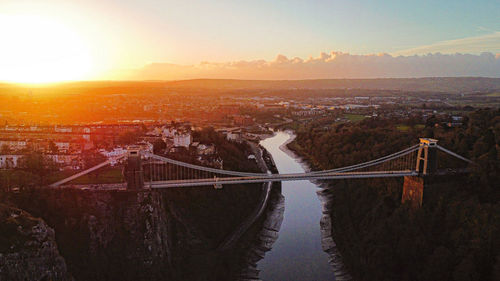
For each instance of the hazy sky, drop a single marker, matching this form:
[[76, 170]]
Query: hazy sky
[[123, 35]]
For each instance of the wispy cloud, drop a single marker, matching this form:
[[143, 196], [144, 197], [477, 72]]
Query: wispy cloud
[[474, 44]]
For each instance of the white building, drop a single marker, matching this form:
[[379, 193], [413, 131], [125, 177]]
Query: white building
[[67, 161], [63, 129], [145, 146], [86, 134], [14, 144], [169, 132], [236, 136], [9, 161], [62, 146], [184, 140], [117, 151], [113, 154]]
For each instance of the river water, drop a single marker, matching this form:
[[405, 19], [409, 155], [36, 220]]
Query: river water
[[297, 254]]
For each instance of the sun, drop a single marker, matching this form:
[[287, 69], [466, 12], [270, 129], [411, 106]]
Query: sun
[[34, 49]]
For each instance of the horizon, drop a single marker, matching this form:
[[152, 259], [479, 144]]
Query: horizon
[[42, 84], [193, 87], [486, 65]]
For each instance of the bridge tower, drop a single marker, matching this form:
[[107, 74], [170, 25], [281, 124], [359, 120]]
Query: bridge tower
[[427, 156], [133, 168], [413, 186]]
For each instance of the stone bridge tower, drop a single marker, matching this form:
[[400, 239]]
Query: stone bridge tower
[[133, 168], [413, 187]]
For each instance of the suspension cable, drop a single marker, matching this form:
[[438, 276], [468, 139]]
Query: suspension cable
[[455, 155], [372, 162]]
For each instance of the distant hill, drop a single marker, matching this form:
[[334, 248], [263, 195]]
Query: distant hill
[[431, 84], [438, 84]]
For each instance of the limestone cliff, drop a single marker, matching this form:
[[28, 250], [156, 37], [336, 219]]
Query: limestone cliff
[[28, 249], [169, 234], [105, 235]]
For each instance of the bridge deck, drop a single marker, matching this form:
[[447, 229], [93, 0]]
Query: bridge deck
[[277, 177]]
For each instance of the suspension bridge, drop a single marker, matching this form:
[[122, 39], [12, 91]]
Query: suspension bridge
[[148, 170]]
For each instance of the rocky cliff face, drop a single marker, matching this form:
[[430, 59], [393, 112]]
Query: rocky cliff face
[[169, 234], [28, 249], [105, 235]]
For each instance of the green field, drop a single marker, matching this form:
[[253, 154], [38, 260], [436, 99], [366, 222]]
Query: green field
[[105, 175], [405, 128], [354, 117], [496, 94]]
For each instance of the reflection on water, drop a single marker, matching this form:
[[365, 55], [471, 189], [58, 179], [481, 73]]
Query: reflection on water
[[329, 246], [265, 237], [297, 254], [221, 234]]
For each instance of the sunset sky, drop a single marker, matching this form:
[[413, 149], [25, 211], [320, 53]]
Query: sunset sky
[[54, 40]]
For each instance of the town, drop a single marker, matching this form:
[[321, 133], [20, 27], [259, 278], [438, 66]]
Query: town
[[69, 130]]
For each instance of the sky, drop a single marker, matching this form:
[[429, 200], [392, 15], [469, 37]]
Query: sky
[[54, 40]]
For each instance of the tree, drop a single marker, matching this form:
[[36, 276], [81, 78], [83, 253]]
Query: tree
[[53, 147], [17, 178], [453, 236], [5, 149], [128, 137], [38, 164], [158, 146], [466, 270]]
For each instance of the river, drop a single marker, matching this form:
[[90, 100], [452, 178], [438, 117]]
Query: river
[[297, 254]]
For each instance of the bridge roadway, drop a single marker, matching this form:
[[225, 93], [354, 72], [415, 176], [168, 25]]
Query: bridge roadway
[[278, 177]]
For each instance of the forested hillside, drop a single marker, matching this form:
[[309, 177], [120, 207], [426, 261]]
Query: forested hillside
[[455, 235]]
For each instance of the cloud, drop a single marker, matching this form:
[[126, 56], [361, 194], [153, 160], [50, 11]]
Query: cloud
[[475, 44], [331, 65]]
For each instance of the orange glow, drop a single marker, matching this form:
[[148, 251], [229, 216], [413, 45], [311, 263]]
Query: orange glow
[[37, 50]]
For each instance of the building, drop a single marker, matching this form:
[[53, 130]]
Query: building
[[10, 161], [62, 146], [243, 120], [236, 136], [67, 161], [62, 129], [145, 146], [205, 149], [113, 154], [182, 139], [116, 152], [14, 145], [169, 132]]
